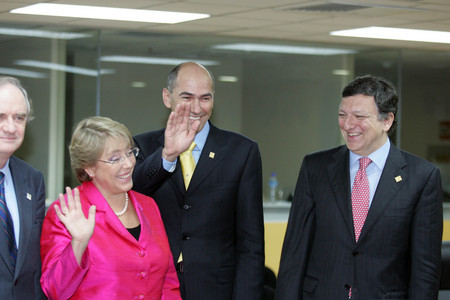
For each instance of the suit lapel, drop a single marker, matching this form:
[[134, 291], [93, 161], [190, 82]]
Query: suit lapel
[[338, 172], [387, 188], [25, 212], [212, 154], [92, 196], [4, 250]]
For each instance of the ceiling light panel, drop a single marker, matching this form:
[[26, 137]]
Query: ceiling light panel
[[283, 49], [399, 34], [108, 13]]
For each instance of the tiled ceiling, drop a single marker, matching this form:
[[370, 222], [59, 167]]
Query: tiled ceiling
[[288, 20]]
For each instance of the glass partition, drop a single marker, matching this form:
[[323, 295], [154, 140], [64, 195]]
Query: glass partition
[[287, 102]]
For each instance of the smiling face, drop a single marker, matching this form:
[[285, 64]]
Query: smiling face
[[360, 125], [13, 119], [112, 180], [194, 86]]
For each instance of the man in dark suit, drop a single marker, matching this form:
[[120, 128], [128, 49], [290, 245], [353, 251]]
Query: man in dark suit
[[396, 254], [215, 221], [23, 202]]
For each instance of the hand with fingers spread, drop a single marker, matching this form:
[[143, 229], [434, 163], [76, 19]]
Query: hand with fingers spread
[[180, 132], [73, 218]]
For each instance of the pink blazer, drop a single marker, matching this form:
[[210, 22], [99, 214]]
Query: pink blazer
[[114, 265]]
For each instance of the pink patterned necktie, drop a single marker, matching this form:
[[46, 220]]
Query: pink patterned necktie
[[360, 196]]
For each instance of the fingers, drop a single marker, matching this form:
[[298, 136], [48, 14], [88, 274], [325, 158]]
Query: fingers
[[91, 217], [77, 204], [193, 129], [185, 111], [170, 121], [62, 202], [59, 214], [181, 119], [73, 202], [70, 201]]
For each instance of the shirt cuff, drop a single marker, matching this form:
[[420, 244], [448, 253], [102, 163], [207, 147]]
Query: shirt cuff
[[169, 166]]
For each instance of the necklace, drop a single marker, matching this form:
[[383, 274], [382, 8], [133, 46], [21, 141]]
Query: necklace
[[125, 207]]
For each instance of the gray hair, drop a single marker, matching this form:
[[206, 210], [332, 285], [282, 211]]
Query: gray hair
[[16, 82]]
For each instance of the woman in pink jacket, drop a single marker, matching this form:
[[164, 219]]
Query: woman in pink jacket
[[102, 240]]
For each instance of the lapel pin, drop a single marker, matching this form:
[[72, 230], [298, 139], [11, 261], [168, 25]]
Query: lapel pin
[[398, 178], [28, 196], [211, 154]]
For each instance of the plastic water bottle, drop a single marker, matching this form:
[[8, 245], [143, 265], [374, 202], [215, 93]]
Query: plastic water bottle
[[273, 185]]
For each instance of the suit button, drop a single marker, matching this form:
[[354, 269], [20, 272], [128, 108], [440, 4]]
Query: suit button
[[355, 253], [186, 206], [185, 237]]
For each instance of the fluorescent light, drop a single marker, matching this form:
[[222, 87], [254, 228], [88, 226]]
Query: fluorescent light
[[138, 84], [401, 34], [22, 73], [43, 33], [283, 49], [341, 72], [60, 67], [228, 78], [154, 60], [108, 13]]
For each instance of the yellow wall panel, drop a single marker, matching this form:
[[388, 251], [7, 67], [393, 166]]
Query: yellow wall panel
[[274, 237]]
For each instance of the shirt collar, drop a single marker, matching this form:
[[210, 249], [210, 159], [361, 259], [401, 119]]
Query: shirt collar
[[200, 137], [378, 157], [6, 169]]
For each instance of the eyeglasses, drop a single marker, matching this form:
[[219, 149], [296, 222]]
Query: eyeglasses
[[120, 158]]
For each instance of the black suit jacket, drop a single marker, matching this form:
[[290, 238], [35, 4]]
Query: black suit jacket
[[218, 222], [24, 283], [398, 253]]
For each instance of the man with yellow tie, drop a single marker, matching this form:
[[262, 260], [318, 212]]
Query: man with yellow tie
[[207, 183]]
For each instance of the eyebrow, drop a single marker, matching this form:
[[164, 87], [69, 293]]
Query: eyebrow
[[190, 94], [17, 114]]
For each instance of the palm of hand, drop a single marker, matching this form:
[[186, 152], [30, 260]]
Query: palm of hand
[[73, 218]]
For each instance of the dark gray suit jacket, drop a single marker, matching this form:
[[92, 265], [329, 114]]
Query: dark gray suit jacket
[[218, 222], [398, 253], [24, 283]]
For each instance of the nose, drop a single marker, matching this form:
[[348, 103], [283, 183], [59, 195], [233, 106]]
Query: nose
[[195, 106], [8, 125], [348, 123], [129, 161]]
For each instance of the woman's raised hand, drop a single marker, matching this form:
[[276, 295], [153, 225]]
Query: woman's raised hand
[[73, 218]]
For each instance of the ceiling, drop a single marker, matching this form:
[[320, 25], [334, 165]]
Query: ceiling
[[287, 20]]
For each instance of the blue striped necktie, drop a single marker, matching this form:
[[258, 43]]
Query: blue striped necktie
[[7, 223]]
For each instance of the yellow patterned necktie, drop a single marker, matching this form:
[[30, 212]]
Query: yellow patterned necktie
[[187, 165]]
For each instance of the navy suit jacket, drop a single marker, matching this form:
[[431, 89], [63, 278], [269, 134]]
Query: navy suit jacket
[[398, 253], [30, 193], [218, 222]]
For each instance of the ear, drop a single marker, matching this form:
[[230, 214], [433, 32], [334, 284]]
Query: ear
[[388, 122], [90, 171], [166, 98]]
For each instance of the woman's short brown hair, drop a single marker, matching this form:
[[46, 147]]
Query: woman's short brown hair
[[88, 142]]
